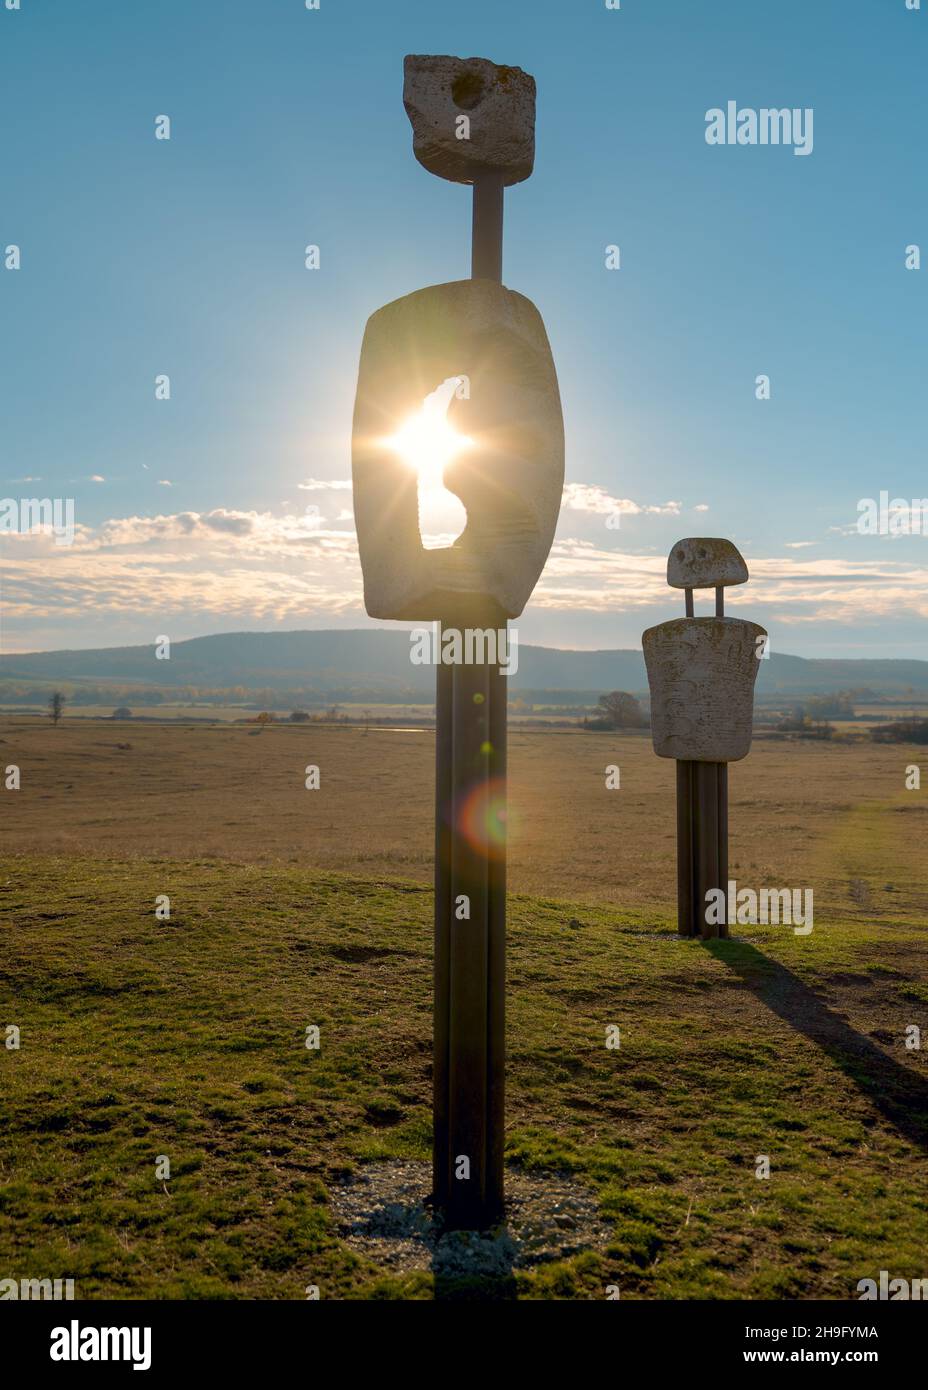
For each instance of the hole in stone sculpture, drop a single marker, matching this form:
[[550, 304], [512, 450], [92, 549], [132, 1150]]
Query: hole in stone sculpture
[[427, 442], [467, 90]]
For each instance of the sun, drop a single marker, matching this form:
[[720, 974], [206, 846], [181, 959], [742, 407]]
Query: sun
[[426, 440]]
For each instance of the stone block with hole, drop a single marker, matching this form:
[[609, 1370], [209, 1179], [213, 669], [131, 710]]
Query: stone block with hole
[[511, 479]]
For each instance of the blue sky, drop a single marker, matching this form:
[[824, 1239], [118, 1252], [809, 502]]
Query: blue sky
[[185, 257]]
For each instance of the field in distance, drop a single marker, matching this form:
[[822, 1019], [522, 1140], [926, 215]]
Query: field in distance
[[802, 813]]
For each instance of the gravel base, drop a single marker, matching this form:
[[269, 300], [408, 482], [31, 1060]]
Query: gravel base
[[381, 1213]]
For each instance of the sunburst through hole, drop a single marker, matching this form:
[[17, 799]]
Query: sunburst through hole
[[427, 442]]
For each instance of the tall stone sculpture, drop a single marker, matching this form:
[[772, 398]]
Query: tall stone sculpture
[[473, 123], [701, 672]]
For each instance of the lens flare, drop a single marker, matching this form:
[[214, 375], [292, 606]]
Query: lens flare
[[481, 817]]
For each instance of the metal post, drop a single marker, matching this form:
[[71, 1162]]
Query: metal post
[[487, 229], [702, 844], [470, 877], [685, 905], [722, 769], [706, 847], [444, 815]]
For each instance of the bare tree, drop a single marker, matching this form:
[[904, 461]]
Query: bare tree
[[56, 706], [621, 710]]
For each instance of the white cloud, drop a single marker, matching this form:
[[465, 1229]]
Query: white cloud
[[589, 497], [581, 575], [251, 566], [263, 567], [325, 485]]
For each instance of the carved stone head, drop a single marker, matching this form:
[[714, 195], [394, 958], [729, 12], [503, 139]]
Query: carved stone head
[[496, 103], [705, 562]]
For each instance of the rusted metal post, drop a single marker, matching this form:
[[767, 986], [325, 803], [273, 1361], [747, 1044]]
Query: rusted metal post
[[444, 826], [470, 952], [685, 883], [705, 842], [702, 843], [470, 941], [487, 228]]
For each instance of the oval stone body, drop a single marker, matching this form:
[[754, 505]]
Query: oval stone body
[[702, 672], [510, 481]]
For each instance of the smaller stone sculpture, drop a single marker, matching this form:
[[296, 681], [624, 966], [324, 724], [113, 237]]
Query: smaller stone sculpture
[[701, 672]]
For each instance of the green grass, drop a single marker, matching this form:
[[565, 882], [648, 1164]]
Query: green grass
[[186, 1039]]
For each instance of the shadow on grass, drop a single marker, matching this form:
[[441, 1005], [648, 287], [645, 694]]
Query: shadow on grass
[[899, 1094]]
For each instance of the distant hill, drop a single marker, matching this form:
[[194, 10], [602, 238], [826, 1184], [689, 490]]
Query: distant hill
[[374, 664]]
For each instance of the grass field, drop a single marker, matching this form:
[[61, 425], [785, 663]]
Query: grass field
[[801, 811], [185, 1038]]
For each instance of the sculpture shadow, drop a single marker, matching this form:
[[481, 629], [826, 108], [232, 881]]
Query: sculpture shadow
[[896, 1092]]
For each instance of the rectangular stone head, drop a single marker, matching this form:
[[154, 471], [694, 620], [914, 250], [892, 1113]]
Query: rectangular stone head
[[470, 117]]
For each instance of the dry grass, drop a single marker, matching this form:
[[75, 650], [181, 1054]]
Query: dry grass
[[183, 791]]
